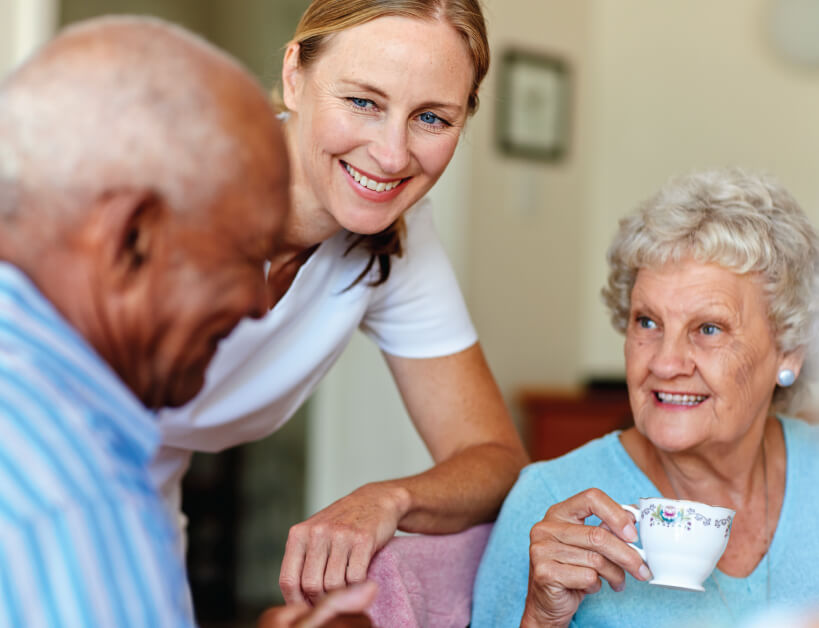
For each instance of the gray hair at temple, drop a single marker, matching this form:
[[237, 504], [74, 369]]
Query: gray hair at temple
[[72, 126], [741, 221]]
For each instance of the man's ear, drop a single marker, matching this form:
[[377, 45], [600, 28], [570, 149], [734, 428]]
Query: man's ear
[[127, 225], [291, 76]]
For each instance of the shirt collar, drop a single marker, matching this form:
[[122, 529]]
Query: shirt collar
[[29, 322]]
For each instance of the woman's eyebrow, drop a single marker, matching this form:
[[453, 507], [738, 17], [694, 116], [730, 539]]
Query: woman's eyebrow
[[365, 86]]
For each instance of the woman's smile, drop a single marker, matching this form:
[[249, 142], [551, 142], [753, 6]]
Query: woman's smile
[[372, 187], [678, 400]]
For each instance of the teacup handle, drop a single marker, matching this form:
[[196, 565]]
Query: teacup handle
[[634, 511]]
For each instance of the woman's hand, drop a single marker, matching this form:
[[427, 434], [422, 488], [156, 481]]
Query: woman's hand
[[341, 609], [567, 558], [333, 548]]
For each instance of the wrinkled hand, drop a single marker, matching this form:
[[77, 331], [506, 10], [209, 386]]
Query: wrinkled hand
[[567, 558], [341, 609], [333, 548]]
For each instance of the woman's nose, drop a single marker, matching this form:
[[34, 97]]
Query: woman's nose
[[390, 148], [672, 357]]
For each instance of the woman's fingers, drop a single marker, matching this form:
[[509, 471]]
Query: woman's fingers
[[360, 557], [333, 548], [568, 558], [595, 547], [292, 566], [315, 565], [563, 554], [335, 575], [595, 502]]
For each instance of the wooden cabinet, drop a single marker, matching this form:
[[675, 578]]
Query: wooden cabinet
[[557, 421]]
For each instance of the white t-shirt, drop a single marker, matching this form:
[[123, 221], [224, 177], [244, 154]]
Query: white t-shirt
[[264, 371]]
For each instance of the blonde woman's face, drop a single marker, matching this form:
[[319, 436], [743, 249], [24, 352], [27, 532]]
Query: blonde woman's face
[[377, 118], [701, 356]]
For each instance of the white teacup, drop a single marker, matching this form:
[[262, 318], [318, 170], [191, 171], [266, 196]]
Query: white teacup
[[682, 540]]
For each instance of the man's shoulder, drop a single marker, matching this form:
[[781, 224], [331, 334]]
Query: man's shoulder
[[50, 454]]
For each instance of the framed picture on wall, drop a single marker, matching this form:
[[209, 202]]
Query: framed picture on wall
[[533, 106]]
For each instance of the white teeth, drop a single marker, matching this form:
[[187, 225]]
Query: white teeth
[[376, 186], [681, 400]]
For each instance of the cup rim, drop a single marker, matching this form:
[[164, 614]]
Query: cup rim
[[690, 501]]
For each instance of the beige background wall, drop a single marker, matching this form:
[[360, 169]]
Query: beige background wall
[[679, 86]]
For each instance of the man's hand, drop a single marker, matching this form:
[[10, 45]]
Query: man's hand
[[341, 609]]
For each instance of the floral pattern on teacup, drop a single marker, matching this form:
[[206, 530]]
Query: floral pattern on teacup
[[670, 516]]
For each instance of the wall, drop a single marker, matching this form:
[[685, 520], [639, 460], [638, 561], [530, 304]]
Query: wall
[[680, 86], [24, 24], [526, 280]]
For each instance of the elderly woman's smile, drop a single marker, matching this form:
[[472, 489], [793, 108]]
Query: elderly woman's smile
[[701, 356]]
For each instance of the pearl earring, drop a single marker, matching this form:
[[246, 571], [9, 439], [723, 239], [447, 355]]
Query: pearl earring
[[786, 377]]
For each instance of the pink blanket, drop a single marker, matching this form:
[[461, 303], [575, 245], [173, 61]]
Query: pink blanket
[[425, 581]]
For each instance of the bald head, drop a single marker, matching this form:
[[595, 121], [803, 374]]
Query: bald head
[[143, 183], [123, 102]]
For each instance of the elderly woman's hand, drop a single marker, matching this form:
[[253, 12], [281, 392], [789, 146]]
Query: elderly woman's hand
[[333, 548], [567, 558]]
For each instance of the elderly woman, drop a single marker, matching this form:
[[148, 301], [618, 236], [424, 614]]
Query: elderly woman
[[711, 282]]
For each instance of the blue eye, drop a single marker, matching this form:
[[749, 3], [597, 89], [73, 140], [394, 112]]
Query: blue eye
[[430, 118], [361, 103], [709, 329], [646, 323]]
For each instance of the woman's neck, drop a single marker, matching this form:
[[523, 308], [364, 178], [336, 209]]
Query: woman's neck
[[726, 475]]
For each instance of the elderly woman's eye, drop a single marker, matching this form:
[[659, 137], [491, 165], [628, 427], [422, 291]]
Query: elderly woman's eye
[[709, 329], [646, 323]]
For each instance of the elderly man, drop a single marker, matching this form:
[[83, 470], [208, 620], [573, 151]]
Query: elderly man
[[143, 179]]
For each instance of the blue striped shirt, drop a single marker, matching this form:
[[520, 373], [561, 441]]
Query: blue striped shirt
[[84, 537]]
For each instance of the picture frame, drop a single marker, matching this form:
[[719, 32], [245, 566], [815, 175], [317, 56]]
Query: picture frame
[[533, 106]]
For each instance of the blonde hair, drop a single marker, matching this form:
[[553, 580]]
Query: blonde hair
[[743, 222], [325, 17]]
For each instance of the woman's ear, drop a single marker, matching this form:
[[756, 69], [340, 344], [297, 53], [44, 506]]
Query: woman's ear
[[793, 360], [291, 76]]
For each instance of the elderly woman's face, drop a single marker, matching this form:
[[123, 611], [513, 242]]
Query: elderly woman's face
[[701, 357], [377, 117]]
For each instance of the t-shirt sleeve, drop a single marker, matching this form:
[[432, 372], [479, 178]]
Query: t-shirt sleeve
[[419, 312]]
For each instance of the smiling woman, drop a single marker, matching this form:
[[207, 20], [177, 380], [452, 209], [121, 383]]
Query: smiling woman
[[354, 115], [377, 94], [711, 281]]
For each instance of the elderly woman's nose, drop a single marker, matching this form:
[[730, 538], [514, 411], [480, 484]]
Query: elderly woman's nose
[[672, 357], [390, 148]]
